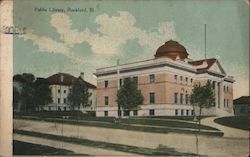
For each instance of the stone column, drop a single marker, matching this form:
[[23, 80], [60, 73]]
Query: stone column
[[216, 94], [221, 95]]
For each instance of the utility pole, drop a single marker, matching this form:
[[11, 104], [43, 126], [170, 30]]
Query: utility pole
[[205, 40], [118, 74], [118, 84]]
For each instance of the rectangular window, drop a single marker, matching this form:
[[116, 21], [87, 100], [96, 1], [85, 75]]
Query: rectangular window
[[175, 78], [181, 79], [59, 91], [227, 88], [119, 112], [192, 112], [224, 88], [64, 108], [135, 79], [49, 108], [191, 80], [176, 112], [64, 91], [64, 100], [152, 78], [181, 98], [106, 100], [135, 112], [224, 102], [151, 112], [126, 113], [106, 113], [151, 98], [187, 112], [120, 82], [175, 98], [186, 98], [182, 112], [214, 84], [106, 83], [186, 80], [58, 100]]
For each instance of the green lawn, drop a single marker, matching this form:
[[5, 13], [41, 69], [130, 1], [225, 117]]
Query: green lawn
[[126, 124], [161, 150], [185, 118], [240, 122], [24, 148]]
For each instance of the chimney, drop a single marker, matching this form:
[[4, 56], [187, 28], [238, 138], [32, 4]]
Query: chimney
[[61, 77], [82, 75]]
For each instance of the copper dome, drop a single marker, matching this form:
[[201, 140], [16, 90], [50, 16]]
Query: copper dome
[[171, 49]]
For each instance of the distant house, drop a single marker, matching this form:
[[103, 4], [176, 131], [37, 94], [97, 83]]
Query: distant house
[[60, 85], [241, 106]]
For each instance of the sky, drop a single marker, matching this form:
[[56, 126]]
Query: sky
[[83, 35]]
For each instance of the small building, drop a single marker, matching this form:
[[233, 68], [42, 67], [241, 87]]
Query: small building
[[166, 83], [60, 85], [241, 106]]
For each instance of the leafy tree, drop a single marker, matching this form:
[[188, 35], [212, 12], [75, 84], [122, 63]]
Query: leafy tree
[[33, 93], [27, 94], [129, 97], [79, 94], [42, 93], [16, 97], [202, 97]]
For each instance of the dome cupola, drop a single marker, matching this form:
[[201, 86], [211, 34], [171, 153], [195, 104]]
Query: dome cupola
[[171, 49]]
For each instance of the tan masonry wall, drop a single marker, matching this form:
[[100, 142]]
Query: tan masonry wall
[[164, 88], [228, 95]]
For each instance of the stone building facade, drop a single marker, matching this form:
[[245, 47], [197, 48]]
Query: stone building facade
[[166, 83], [60, 85]]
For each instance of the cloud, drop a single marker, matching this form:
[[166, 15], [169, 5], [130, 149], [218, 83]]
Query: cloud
[[113, 32], [47, 44], [247, 1]]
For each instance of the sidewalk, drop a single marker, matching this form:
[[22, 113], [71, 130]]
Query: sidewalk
[[208, 145], [228, 131]]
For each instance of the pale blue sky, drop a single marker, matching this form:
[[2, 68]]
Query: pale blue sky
[[73, 42]]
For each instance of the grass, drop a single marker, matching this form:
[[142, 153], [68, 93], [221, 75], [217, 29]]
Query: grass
[[126, 125], [161, 150], [55, 114], [24, 148], [176, 124], [185, 118], [239, 122]]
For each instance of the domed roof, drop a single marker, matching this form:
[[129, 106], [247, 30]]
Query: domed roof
[[171, 49]]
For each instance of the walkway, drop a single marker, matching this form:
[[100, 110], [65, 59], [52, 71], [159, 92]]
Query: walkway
[[228, 131], [208, 145]]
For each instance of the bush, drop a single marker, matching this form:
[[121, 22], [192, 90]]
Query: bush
[[57, 114]]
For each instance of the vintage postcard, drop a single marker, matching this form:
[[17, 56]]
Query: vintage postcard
[[124, 78]]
